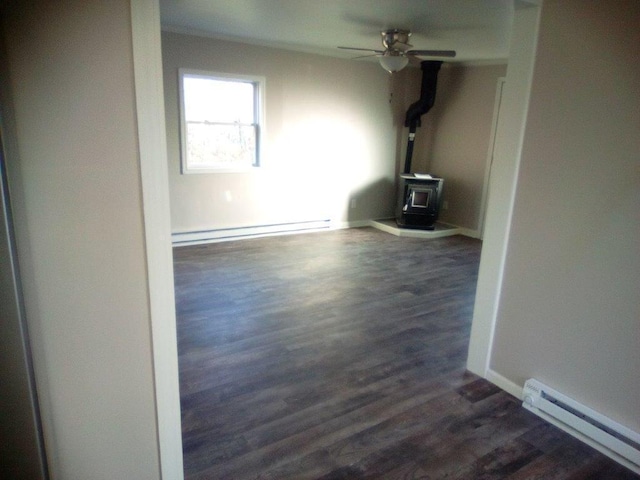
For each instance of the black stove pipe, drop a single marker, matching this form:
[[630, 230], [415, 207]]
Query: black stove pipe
[[430, 69]]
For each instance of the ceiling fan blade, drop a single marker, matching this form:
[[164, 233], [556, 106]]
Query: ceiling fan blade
[[366, 56], [432, 53], [363, 49]]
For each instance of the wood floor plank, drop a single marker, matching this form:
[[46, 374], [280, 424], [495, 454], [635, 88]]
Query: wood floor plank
[[341, 355]]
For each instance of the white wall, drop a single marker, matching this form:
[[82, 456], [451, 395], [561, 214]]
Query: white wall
[[569, 312], [77, 198], [331, 136]]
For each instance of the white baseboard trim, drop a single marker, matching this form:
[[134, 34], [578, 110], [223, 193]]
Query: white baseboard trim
[[179, 239], [504, 383], [467, 232], [350, 224]]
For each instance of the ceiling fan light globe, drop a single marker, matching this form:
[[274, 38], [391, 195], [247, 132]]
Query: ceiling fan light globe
[[393, 63]]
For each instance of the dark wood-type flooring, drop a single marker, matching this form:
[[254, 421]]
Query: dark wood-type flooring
[[341, 355]]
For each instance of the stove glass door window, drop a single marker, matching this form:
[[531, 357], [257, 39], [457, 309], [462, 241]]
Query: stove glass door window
[[420, 198]]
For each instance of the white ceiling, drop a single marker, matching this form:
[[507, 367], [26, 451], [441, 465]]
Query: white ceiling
[[477, 29]]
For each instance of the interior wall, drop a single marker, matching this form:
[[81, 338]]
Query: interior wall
[[462, 117], [569, 313], [331, 137], [75, 187]]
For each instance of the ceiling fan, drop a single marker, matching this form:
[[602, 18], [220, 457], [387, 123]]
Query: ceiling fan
[[397, 50]]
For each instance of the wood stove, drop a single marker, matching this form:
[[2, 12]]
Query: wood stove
[[419, 195], [418, 201]]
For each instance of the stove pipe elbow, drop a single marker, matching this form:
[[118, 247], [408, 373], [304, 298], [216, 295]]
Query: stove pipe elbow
[[430, 69]]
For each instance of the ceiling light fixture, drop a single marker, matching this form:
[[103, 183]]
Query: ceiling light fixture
[[393, 61]]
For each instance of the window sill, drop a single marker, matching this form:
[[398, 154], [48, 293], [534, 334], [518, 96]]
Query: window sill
[[220, 170]]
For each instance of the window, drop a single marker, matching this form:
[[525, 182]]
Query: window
[[220, 119]]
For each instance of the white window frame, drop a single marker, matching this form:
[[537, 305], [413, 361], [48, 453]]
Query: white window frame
[[259, 89]]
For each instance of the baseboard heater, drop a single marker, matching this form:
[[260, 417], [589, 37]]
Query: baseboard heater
[[614, 440], [226, 234]]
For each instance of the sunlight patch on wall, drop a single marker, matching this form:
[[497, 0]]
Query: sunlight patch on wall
[[321, 159]]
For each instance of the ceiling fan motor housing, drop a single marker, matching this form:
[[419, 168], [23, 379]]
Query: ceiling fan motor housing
[[396, 39]]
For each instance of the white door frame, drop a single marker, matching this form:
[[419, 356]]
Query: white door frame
[[147, 59], [504, 176], [489, 162], [154, 172]]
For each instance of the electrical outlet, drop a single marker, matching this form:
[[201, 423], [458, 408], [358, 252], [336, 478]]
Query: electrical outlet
[[353, 203], [445, 205]]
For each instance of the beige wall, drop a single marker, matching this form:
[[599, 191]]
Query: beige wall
[[462, 117], [331, 122], [569, 313], [331, 135], [76, 191]]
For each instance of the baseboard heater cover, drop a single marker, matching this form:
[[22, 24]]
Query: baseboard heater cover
[[609, 437], [225, 234]]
